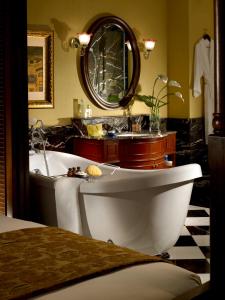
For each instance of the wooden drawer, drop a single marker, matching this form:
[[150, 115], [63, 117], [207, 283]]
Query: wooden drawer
[[142, 153], [111, 151], [97, 150], [143, 164]]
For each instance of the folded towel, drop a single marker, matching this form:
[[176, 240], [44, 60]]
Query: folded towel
[[95, 130]]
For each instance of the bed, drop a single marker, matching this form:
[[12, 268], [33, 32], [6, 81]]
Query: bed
[[145, 280]]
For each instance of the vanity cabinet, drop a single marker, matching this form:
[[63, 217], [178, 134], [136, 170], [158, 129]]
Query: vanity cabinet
[[144, 153], [100, 150], [147, 153], [170, 141], [131, 153]]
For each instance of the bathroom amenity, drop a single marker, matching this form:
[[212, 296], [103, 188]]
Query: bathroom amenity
[[88, 112], [81, 109], [76, 172], [143, 210], [95, 130], [167, 161], [93, 170]]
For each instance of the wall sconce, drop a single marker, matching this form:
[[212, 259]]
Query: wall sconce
[[149, 46], [81, 42]]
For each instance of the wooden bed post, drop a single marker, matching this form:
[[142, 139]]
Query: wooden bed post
[[216, 148]]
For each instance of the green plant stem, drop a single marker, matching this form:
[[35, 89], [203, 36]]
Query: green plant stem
[[169, 94], [164, 103], [165, 86], [153, 89]]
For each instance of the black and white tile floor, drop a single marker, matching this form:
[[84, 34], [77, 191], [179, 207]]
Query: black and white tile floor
[[192, 250]]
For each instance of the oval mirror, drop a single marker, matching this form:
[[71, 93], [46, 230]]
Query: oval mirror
[[110, 66]]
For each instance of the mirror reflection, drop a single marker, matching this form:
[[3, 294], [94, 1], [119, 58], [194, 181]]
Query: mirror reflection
[[110, 67], [108, 63]]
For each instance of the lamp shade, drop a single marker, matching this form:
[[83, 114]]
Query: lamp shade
[[149, 44], [84, 38]]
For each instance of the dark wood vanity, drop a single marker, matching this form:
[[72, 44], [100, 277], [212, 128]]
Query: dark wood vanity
[[129, 152], [100, 150]]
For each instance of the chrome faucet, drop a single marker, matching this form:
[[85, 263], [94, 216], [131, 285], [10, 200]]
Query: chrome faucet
[[119, 126], [78, 128], [37, 136]]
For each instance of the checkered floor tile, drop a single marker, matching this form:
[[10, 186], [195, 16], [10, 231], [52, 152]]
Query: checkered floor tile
[[192, 250]]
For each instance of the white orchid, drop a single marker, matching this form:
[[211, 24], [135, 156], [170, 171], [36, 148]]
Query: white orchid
[[163, 78], [156, 102], [179, 95], [174, 83]]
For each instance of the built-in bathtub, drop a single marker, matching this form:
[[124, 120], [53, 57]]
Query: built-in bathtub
[[141, 209]]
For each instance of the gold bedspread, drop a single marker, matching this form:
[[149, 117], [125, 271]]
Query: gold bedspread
[[38, 260]]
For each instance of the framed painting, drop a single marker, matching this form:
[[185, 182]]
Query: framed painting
[[40, 69]]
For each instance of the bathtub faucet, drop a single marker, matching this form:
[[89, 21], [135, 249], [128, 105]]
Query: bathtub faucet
[[37, 137]]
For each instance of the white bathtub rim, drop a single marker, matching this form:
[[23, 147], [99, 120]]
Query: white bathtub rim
[[122, 178], [120, 181]]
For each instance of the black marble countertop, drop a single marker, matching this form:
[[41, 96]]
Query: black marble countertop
[[127, 135]]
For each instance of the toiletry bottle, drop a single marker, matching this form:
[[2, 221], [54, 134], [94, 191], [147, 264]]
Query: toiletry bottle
[[81, 109], [88, 111], [168, 163], [76, 107]]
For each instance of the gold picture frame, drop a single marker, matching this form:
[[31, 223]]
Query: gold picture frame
[[40, 69]]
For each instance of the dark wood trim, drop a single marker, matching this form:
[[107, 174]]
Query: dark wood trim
[[2, 118], [217, 211], [85, 79], [219, 114], [216, 148], [15, 106]]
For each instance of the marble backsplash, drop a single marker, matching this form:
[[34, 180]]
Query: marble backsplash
[[190, 143], [118, 123]]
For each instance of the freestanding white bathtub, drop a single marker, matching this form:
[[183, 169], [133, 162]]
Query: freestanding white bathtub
[[141, 209]]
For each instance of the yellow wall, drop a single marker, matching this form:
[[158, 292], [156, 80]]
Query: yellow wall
[[176, 25], [187, 21], [178, 55], [201, 19], [147, 18]]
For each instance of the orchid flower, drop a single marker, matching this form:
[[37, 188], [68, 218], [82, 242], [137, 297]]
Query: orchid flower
[[161, 77], [156, 102], [174, 83], [179, 95]]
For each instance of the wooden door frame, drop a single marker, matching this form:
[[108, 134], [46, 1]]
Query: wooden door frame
[[14, 112]]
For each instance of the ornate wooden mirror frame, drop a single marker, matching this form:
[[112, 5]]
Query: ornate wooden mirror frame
[[95, 97]]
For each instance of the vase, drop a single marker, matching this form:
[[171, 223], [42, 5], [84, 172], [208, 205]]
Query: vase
[[154, 123]]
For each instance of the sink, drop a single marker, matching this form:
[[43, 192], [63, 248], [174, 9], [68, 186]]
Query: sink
[[139, 135], [132, 134]]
